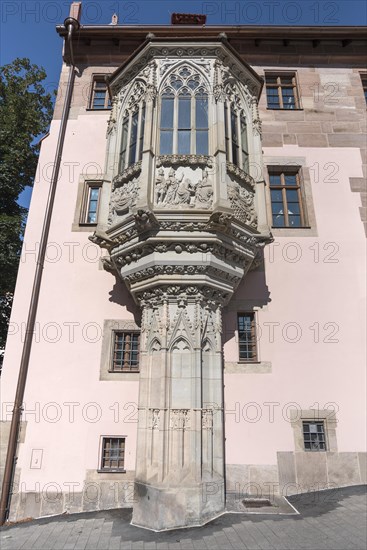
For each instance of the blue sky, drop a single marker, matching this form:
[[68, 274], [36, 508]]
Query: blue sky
[[28, 27]]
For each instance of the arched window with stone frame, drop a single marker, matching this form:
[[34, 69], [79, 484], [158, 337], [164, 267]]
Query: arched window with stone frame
[[132, 128], [184, 113], [236, 129]]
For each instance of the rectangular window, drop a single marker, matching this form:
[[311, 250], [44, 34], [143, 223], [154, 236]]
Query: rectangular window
[[364, 84], [247, 336], [91, 203], [100, 98], [141, 137], [281, 91], [201, 123], [286, 198], [125, 352], [314, 436], [113, 454]]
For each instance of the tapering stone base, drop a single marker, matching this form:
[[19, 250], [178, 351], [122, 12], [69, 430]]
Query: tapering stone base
[[160, 509]]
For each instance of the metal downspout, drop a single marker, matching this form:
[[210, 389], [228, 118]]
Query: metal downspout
[[71, 24]]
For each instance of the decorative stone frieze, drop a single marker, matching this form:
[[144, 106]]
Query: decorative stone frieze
[[185, 160], [130, 172]]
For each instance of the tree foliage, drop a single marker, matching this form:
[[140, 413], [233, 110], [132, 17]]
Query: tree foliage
[[25, 114]]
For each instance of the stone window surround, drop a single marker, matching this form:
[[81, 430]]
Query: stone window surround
[[287, 72], [247, 367], [100, 470], [328, 416], [306, 188], [83, 184], [110, 326], [96, 77]]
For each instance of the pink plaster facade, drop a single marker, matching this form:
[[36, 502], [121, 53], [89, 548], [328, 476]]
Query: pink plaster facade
[[308, 297]]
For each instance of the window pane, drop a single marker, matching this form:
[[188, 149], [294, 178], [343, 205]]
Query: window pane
[[202, 142], [201, 112], [290, 179], [235, 153], [244, 134], [293, 208], [288, 98], [141, 137], [292, 195], [286, 80], [294, 221], [272, 97], [125, 126], [275, 179], [133, 138], [276, 195], [271, 79], [184, 142], [184, 112], [167, 112], [92, 205], [166, 142]]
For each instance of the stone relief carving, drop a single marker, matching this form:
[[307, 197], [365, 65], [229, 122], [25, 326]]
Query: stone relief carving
[[207, 419], [128, 173], [241, 174], [176, 190], [122, 198], [180, 419], [242, 202], [154, 419]]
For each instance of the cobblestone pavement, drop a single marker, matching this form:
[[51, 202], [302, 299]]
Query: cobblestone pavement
[[333, 519]]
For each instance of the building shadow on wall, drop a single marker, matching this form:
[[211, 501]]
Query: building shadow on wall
[[251, 294], [121, 296]]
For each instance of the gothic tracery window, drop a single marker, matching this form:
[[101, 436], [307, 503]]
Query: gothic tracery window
[[132, 133], [184, 124], [236, 138]]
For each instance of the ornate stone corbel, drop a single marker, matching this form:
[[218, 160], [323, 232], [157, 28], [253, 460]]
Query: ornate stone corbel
[[145, 220], [102, 239]]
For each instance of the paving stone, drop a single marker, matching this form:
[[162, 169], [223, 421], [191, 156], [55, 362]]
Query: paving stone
[[328, 520]]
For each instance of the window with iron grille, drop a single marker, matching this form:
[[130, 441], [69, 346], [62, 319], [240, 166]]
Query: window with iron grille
[[247, 337], [281, 91], [100, 98], [287, 207], [113, 454], [314, 436], [125, 352]]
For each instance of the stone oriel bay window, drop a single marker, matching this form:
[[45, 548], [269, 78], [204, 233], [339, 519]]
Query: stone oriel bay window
[[282, 91]]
